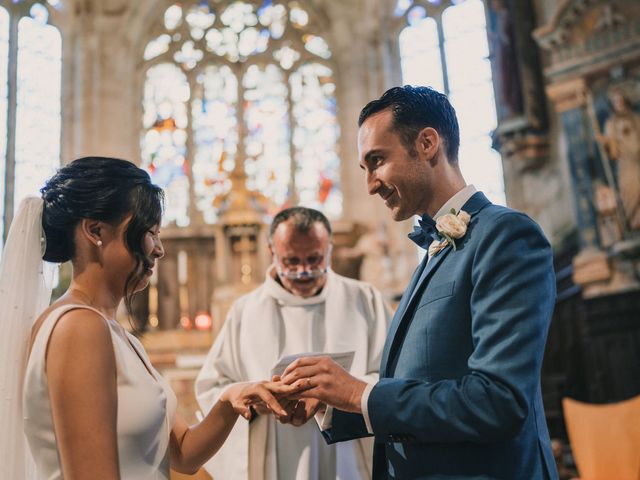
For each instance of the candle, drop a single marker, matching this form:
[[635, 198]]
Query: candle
[[182, 267]]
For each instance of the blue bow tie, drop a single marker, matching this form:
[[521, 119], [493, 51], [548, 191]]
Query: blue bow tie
[[425, 232]]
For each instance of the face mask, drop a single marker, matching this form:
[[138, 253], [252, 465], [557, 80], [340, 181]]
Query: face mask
[[311, 274]]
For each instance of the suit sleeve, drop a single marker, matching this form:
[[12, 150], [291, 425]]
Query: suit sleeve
[[511, 305], [345, 426]]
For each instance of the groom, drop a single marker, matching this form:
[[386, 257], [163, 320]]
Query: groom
[[459, 390]]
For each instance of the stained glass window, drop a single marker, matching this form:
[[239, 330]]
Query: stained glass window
[[257, 87], [30, 101], [166, 94], [444, 45], [214, 120], [267, 141]]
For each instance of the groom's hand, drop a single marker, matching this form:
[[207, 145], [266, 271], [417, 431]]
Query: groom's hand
[[328, 382]]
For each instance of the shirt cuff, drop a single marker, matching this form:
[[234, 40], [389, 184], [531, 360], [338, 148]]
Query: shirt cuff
[[364, 405], [324, 418]]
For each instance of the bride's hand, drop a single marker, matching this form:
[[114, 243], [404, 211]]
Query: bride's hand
[[242, 396]]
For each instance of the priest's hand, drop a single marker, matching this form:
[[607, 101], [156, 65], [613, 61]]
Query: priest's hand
[[328, 382]]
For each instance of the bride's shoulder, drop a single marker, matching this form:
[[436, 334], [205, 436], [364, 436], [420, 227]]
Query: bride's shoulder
[[80, 339], [74, 327]]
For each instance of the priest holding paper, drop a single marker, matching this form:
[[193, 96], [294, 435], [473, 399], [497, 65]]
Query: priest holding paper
[[302, 307]]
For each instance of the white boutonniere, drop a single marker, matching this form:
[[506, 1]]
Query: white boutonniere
[[451, 227]]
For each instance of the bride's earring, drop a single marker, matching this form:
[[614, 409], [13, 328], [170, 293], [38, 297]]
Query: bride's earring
[[99, 243]]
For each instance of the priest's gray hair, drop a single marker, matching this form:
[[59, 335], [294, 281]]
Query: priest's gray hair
[[303, 219]]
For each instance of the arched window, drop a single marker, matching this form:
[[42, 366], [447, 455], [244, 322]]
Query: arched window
[[242, 81], [445, 46], [30, 100]]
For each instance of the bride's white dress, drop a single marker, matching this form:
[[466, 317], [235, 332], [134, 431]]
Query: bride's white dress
[[146, 407]]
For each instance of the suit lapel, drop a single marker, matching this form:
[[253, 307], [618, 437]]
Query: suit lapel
[[427, 272], [404, 318], [400, 311], [418, 283]]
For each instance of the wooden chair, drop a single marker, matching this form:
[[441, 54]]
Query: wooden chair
[[605, 438]]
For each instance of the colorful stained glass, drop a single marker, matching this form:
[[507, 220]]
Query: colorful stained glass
[[215, 132], [38, 105], [164, 150], [315, 136], [227, 48], [4, 59], [267, 143]]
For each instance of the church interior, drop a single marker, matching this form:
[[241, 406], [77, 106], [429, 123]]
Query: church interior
[[239, 108]]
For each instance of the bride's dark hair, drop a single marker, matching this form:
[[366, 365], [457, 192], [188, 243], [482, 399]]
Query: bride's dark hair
[[105, 189]]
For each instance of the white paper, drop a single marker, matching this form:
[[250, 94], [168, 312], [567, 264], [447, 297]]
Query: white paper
[[344, 359]]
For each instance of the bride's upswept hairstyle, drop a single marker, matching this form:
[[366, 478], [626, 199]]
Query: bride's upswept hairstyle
[[104, 189]]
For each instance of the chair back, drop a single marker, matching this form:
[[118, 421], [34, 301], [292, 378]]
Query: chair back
[[605, 438]]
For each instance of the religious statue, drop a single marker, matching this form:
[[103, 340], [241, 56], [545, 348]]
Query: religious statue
[[609, 227], [622, 142]]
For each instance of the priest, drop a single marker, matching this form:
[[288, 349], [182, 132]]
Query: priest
[[302, 306]]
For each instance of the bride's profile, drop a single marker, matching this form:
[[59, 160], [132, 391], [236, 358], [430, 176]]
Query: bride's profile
[[80, 386]]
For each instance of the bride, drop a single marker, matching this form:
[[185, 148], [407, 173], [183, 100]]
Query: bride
[[89, 400]]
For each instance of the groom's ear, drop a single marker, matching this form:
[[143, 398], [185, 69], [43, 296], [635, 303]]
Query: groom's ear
[[428, 142]]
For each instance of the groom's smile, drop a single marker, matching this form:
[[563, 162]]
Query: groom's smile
[[393, 172]]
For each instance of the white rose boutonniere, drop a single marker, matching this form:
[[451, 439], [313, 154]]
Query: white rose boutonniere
[[452, 227]]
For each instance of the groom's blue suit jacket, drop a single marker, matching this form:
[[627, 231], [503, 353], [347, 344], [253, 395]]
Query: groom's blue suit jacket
[[459, 391]]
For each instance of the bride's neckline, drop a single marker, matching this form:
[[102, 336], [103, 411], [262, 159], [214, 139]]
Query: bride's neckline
[[76, 296]]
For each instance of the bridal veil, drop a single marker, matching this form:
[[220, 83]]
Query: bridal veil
[[25, 291]]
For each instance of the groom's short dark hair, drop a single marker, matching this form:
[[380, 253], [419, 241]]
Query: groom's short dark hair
[[415, 108], [303, 219]]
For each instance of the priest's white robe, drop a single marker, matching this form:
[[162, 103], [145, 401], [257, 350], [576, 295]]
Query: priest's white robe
[[261, 327]]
